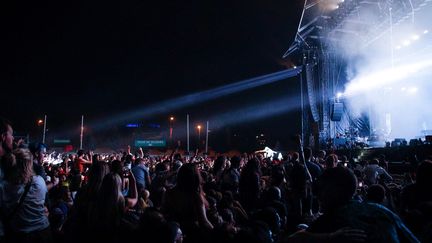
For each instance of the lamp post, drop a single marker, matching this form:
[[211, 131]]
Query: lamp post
[[207, 132], [187, 134], [82, 132], [171, 120], [199, 135], [41, 122]]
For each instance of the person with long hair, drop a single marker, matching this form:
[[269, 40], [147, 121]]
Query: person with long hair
[[186, 203], [249, 185], [105, 218], [22, 199], [89, 191], [76, 225], [110, 204]]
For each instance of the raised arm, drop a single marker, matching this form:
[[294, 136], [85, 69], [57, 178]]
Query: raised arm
[[90, 160], [202, 217], [128, 149], [141, 152], [132, 199]]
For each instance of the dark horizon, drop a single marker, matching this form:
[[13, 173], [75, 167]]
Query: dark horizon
[[99, 59]]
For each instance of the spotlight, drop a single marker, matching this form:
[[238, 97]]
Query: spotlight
[[339, 94], [412, 90], [384, 77], [207, 95], [406, 43], [426, 31], [415, 37]]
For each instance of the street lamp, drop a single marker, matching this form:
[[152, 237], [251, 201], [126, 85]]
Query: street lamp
[[171, 120], [43, 122], [199, 133]]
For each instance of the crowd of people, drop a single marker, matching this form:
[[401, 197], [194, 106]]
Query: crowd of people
[[304, 197]]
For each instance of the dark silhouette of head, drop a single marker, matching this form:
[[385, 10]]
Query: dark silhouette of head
[[274, 193], [189, 179], [295, 157], [331, 161], [219, 164], [252, 165], [117, 167], [336, 187], [321, 154], [97, 172], [235, 162], [80, 152], [374, 162], [376, 193]]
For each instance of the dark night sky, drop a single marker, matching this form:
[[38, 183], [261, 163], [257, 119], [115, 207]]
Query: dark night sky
[[98, 58]]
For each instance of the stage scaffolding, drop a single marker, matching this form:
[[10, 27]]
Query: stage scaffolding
[[324, 74]]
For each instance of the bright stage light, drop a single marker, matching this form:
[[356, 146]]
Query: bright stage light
[[384, 77], [339, 94], [426, 31], [406, 43], [412, 90], [415, 37]]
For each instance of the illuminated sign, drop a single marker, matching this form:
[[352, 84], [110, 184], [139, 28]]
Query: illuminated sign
[[62, 141], [150, 143]]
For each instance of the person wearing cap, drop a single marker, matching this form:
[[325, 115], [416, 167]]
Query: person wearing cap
[[39, 151]]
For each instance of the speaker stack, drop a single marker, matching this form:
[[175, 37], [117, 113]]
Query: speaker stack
[[336, 111]]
